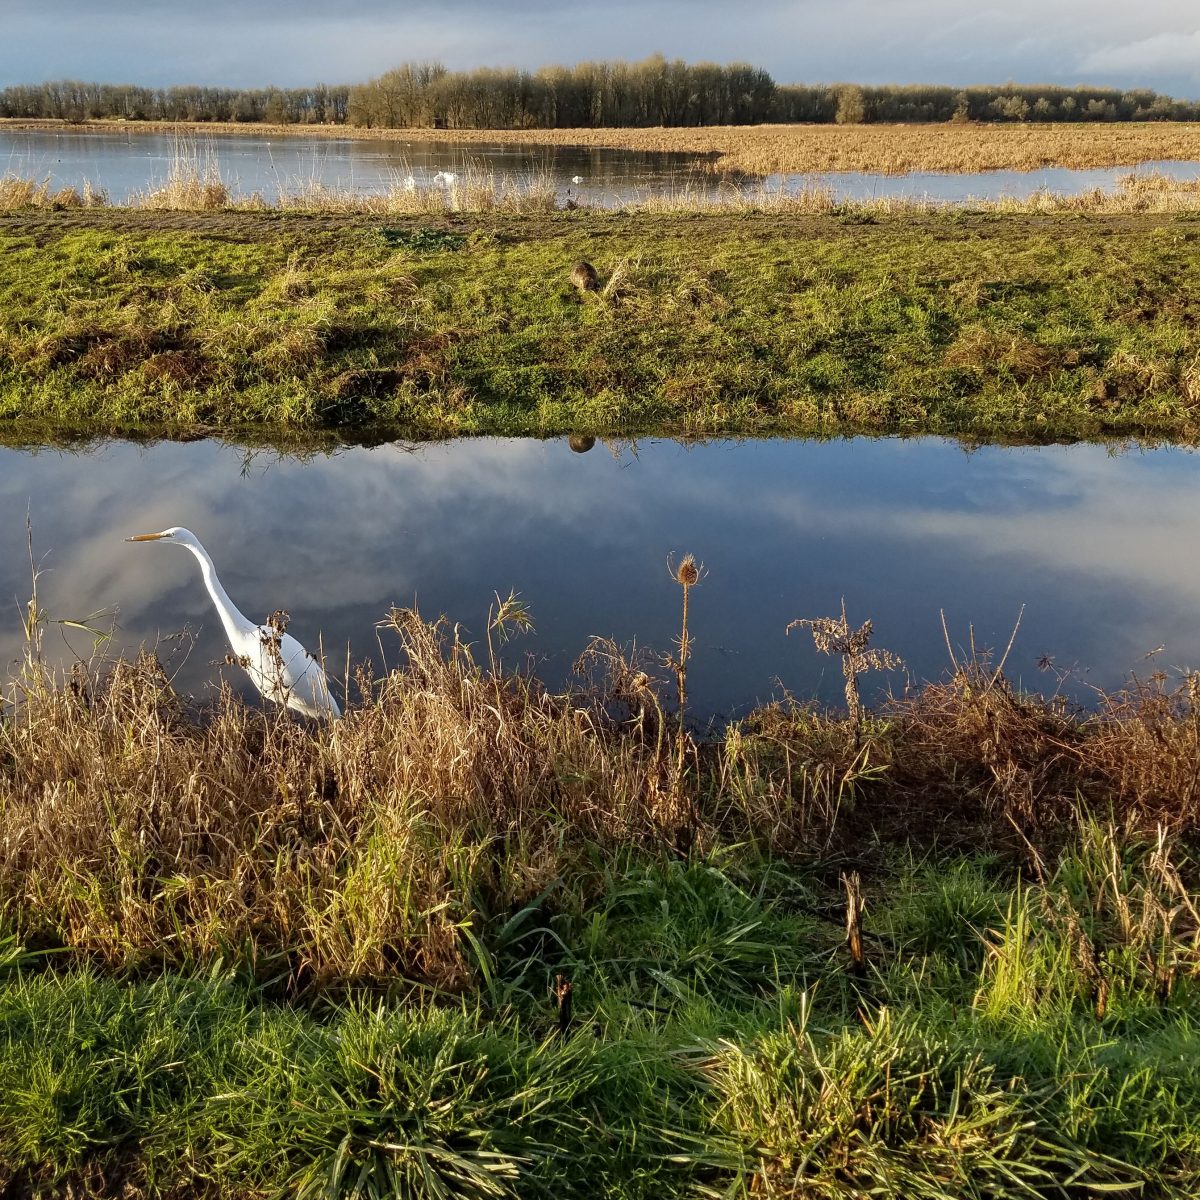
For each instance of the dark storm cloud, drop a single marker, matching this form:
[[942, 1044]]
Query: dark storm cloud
[[1154, 43]]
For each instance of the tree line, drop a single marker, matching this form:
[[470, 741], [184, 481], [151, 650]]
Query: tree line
[[654, 91], [73, 100], [851, 104]]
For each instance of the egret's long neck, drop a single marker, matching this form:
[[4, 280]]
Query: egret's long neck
[[233, 621]]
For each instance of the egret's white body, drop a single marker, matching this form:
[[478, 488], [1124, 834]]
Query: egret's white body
[[278, 665], [576, 178], [410, 184]]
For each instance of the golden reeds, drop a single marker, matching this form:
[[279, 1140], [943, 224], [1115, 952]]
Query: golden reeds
[[133, 827], [136, 828], [480, 192], [17, 193]]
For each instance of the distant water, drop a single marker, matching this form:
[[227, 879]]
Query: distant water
[[1096, 545], [127, 163], [123, 163], [955, 188]]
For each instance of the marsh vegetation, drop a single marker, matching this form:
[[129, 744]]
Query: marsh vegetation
[[481, 939]]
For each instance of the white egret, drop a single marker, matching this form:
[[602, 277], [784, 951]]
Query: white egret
[[278, 665], [576, 178]]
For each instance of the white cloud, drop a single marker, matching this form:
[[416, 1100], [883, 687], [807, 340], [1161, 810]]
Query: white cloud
[[1161, 53], [228, 41]]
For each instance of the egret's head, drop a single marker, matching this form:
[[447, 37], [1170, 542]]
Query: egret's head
[[176, 534]]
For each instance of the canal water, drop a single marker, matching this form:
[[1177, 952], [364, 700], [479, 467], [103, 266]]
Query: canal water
[[1096, 545]]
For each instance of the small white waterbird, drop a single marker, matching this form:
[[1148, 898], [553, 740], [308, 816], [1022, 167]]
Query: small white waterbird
[[576, 178], [277, 664]]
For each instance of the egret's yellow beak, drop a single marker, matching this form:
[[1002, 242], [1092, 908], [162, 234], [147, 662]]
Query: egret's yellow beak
[[146, 537]]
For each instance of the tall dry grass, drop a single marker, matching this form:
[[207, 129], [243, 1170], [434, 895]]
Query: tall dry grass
[[476, 189], [136, 828], [479, 191], [18, 193]]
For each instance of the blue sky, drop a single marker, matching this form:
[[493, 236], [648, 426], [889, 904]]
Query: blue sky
[[1153, 43]]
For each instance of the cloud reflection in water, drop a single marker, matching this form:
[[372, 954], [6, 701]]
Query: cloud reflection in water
[[1097, 546]]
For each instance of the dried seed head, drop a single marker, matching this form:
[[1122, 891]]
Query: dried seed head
[[687, 574]]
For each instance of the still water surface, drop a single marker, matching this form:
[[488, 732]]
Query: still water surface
[[1099, 547], [126, 163]]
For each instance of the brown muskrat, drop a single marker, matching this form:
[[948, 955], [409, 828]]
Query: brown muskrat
[[584, 277]]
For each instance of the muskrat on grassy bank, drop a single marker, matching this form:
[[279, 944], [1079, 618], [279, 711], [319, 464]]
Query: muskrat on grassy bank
[[584, 277]]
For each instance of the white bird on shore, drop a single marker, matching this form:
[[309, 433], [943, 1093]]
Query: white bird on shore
[[446, 177], [576, 178], [410, 184], [278, 665]]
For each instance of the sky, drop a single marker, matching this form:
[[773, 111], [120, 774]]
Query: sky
[[1151, 43]]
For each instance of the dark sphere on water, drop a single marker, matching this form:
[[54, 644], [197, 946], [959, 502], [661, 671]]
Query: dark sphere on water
[[581, 443], [584, 277]]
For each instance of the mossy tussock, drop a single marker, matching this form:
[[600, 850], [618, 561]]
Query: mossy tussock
[[984, 325]]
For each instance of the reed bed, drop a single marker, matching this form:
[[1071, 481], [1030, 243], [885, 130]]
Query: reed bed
[[135, 828], [18, 193], [479, 191], [887, 149]]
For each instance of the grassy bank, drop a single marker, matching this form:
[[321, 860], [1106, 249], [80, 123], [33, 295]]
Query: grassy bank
[[767, 149], [477, 940], [985, 325], [717, 1047]]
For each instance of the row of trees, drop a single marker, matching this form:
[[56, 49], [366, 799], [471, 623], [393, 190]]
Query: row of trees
[[71, 100], [591, 94], [852, 105], [655, 91]]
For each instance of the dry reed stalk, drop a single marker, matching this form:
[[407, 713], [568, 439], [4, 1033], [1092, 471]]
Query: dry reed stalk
[[855, 905]]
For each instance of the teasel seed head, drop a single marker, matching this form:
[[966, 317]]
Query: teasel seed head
[[687, 574]]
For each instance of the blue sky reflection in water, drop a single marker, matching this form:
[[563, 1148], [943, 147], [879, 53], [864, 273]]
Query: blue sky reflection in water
[[1098, 546]]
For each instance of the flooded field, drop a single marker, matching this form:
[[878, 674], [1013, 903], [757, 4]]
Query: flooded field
[[1090, 541], [126, 164]]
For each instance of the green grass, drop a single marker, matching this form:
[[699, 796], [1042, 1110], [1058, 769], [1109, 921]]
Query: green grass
[[985, 325], [718, 1047]]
